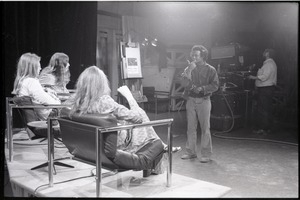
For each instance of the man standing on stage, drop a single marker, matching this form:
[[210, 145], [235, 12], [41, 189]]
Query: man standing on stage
[[265, 82], [200, 81]]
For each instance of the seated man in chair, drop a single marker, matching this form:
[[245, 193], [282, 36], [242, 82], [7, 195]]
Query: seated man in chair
[[92, 96]]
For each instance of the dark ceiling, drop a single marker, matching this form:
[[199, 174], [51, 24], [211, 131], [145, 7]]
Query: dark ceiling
[[244, 10]]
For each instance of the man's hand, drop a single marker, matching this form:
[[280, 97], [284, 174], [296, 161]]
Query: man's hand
[[188, 70], [191, 66], [197, 90]]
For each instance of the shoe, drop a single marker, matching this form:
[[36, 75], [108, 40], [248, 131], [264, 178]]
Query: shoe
[[155, 172], [174, 149], [260, 132], [205, 159], [188, 156], [146, 173]]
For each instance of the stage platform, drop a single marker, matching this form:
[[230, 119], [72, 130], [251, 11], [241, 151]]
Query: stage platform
[[80, 181]]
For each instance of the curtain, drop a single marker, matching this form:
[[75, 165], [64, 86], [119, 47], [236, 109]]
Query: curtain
[[45, 28]]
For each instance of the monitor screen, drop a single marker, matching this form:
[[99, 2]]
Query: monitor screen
[[222, 52]]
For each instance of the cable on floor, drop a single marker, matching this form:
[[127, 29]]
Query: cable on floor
[[35, 191], [241, 138], [104, 175]]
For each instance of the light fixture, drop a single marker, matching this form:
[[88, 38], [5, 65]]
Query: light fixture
[[154, 42], [145, 42]]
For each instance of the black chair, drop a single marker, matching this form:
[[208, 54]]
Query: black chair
[[80, 139], [37, 128], [84, 134], [155, 98]]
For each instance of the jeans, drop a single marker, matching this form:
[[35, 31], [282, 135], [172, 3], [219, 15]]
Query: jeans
[[198, 109]]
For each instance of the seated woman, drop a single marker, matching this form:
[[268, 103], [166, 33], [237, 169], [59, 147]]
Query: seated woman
[[57, 74], [93, 96], [27, 84]]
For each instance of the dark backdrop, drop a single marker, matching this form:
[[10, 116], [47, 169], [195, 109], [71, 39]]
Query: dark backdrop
[[45, 28]]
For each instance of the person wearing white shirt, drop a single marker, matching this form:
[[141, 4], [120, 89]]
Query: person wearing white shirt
[[265, 82], [27, 84]]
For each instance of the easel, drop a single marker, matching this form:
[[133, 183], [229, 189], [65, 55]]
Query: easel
[[131, 71]]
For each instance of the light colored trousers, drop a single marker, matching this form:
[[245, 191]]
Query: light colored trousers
[[198, 109]]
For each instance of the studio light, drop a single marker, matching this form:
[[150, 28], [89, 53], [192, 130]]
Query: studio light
[[146, 42], [154, 42]]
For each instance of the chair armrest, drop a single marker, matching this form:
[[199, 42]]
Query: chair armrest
[[40, 106], [132, 126], [123, 127], [12, 104]]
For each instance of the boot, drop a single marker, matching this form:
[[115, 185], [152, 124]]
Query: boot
[[152, 153], [127, 160], [145, 158]]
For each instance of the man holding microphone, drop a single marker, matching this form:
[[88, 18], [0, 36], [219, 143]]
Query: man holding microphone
[[200, 81]]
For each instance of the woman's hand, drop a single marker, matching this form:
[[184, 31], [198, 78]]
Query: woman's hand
[[137, 119], [52, 93]]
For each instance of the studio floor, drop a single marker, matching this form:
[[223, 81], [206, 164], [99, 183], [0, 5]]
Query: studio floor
[[257, 167], [254, 168]]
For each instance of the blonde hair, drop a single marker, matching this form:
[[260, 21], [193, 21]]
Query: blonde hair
[[91, 85], [28, 66]]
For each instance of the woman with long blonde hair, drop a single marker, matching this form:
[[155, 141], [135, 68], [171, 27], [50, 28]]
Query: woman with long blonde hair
[[92, 96], [27, 83]]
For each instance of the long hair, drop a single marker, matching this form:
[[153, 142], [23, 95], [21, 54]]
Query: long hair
[[91, 85], [58, 63], [55, 56], [28, 66]]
